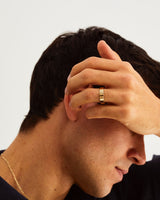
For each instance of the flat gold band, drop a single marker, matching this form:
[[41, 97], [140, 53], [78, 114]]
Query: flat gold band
[[101, 95]]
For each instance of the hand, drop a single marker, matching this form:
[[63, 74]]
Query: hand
[[128, 99]]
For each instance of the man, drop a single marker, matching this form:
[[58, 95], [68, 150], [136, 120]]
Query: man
[[92, 134]]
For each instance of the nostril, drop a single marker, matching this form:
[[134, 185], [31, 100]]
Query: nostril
[[136, 160], [135, 157]]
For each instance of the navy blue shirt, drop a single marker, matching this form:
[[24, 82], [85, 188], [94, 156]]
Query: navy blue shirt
[[141, 183]]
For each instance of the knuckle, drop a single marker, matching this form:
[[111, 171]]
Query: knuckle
[[127, 113], [127, 65], [91, 60], [86, 75], [129, 81], [128, 97]]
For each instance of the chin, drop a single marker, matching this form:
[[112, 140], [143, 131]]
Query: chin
[[98, 192], [101, 194]]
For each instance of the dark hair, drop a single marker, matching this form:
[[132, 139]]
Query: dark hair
[[50, 74]]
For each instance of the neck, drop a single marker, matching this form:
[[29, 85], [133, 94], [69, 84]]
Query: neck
[[37, 162]]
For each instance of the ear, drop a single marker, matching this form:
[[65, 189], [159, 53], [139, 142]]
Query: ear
[[71, 113]]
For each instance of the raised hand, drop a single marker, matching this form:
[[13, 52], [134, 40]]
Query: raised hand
[[127, 98]]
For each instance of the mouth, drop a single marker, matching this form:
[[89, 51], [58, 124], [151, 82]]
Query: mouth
[[121, 172]]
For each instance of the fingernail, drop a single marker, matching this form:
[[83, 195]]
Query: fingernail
[[68, 77], [65, 91]]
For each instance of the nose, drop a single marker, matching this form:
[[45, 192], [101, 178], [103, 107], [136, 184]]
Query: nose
[[137, 153]]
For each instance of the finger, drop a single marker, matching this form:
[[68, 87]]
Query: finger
[[104, 111], [91, 95], [105, 51], [96, 63], [91, 77]]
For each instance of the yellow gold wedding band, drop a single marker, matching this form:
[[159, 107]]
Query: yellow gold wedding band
[[101, 95]]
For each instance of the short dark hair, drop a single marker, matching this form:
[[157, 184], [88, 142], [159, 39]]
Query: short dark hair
[[50, 74]]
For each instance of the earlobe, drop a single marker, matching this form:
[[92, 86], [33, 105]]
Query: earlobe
[[71, 113]]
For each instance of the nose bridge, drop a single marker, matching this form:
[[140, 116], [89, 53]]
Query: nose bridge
[[137, 153]]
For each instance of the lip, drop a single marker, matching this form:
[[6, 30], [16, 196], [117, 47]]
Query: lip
[[121, 172]]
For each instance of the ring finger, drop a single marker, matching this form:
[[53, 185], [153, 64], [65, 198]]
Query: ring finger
[[92, 95]]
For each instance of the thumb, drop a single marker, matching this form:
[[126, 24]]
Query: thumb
[[105, 51]]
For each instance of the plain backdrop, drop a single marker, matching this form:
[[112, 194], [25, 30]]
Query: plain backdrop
[[28, 27]]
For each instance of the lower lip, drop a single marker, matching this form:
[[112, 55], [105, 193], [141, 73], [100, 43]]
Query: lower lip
[[120, 174]]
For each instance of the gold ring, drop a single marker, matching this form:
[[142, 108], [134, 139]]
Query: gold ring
[[101, 95]]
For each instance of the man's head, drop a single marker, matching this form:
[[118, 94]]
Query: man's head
[[49, 77], [96, 152]]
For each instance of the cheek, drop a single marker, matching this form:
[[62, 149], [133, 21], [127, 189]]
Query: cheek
[[93, 170], [98, 146], [105, 135], [91, 157]]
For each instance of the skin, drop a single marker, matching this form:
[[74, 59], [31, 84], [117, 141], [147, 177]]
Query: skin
[[93, 153], [86, 152]]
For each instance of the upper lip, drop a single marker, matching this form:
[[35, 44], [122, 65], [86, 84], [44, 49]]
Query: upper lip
[[124, 171]]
